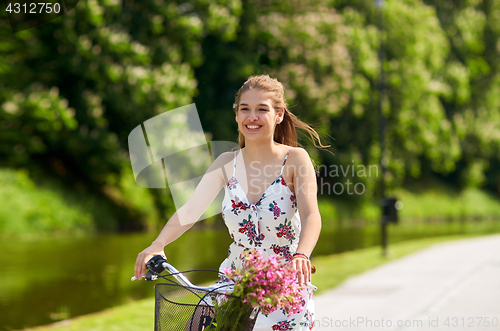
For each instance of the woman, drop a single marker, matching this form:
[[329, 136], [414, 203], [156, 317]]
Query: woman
[[270, 201]]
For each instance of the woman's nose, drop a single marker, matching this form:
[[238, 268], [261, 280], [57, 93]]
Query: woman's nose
[[253, 115]]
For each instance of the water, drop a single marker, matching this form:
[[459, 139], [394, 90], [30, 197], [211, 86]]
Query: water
[[45, 281], [49, 280]]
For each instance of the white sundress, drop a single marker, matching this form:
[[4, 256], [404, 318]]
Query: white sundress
[[273, 226]]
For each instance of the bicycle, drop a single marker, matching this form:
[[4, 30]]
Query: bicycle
[[183, 306]]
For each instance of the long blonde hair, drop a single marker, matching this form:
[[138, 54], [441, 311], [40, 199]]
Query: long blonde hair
[[284, 132]]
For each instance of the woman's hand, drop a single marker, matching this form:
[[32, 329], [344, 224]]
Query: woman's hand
[[303, 266], [145, 256]]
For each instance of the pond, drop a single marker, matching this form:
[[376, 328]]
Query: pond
[[44, 281]]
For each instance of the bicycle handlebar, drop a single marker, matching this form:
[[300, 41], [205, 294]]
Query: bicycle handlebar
[[157, 264]]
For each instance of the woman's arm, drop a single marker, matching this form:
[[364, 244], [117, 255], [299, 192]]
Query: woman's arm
[[185, 217], [306, 189]]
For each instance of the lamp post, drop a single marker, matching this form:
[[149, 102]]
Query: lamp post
[[382, 124]]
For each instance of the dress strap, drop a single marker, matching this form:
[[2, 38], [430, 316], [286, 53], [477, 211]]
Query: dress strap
[[286, 157], [234, 164]]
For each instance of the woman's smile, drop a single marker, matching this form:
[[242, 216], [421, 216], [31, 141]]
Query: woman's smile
[[253, 127]]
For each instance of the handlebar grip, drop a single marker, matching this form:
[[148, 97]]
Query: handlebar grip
[[156, 265]]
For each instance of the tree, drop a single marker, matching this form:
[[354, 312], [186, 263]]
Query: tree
[[71, 90]]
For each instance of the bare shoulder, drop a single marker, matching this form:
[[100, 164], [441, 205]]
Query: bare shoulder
[[299, 162], [223, 159], [299, 156], [224, 162]]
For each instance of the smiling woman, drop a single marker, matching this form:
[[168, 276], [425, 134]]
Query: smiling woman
[[284, 131], [270, 200]]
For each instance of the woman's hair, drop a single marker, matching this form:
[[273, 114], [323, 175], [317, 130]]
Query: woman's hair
[[284, 132]]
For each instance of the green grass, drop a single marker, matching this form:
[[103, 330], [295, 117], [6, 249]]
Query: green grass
[[29, 209], [46, 206], [332, 270], [437, 199], [135, 316]]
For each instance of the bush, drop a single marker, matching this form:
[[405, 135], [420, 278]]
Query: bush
[[29, 209]]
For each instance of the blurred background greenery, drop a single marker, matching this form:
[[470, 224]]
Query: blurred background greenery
[[71, 91]]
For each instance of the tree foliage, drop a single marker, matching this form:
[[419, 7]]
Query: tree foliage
[[71, 90]]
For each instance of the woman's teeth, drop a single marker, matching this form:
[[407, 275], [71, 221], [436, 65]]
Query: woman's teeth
[[253, 126]]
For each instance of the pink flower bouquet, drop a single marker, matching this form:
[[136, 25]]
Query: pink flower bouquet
[[261, 283]]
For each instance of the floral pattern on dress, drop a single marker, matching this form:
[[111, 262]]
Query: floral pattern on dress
[[279, 180], [309, 322], [282, 251], [237, 243], [285, 230], [282, 180], [238, 206], [284, 325], [248, 227], [259, 203], [276, 209], [231, 184], [293, 199]]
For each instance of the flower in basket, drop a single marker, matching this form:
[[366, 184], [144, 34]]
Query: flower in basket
[[267, 283]]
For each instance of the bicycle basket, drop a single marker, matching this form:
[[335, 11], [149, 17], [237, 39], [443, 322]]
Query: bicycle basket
[[183, 308]]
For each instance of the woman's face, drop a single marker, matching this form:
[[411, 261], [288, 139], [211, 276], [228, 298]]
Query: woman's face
[[256, 116]]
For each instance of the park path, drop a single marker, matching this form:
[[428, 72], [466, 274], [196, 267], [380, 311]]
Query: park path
[[450, 286]]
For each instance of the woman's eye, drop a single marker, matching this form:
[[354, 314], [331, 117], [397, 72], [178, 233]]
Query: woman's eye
[[246, 109]]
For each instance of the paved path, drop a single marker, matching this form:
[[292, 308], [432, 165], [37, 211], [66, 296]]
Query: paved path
[[450, 286]]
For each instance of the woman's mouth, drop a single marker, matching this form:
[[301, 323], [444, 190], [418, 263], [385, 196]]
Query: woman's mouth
[[253, 128]]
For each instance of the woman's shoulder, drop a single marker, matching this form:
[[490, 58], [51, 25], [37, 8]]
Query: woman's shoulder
[[298, 154], [222, 165], [223, 159], [298, 158]]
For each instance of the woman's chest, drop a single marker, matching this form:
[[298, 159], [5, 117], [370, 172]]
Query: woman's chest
[[256, 185]]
